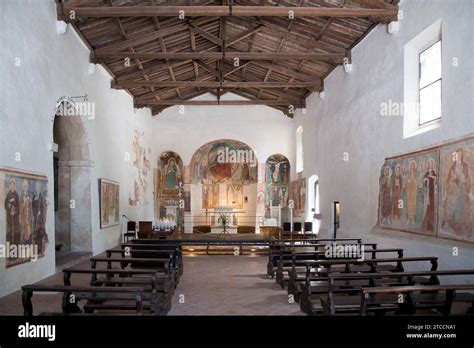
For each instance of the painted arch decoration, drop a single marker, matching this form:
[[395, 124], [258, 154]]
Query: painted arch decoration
[[222, 161]]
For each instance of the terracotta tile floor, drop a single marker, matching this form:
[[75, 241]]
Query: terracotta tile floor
[[229, 285], [210, 285]]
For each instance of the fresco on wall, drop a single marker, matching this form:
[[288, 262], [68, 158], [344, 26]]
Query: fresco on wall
[[109, 198], [169, 186], [235, 196], [210, 196], [24, 199], [457, 194], [298, 195], [171, 169], [187, 198], [223, 160], [141, 169], [430, 191], [409, 192], [277, 178], [187, 174]]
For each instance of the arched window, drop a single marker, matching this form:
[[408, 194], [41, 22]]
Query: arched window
[[299, 149]]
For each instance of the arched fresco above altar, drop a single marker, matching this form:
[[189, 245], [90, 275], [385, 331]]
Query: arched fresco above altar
[[224, 160]]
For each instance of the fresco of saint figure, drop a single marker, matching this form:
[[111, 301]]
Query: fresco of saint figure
[[12, 207], [430, 188], [396, 193], [457, 206], [386, 196], [171, 174], [220, 169], [412, 191], [39, 207], [26, 214]]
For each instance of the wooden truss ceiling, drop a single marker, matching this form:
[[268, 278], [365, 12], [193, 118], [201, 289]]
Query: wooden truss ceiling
[[273, 53]]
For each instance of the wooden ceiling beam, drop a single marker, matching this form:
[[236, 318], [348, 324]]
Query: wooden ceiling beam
[[382, 14], [214, 39], [242, 36], [101, 56], [267, 102], [125, 84]]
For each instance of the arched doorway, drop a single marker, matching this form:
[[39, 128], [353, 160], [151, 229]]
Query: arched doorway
[[72, 183]]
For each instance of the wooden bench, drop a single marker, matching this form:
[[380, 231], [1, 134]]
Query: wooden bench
[[297, 275], [285, 253], [159, 264], [420, 293], [151, 251], [73, 294], [426, 297], [287, 260], [148, 279], [317, 272]]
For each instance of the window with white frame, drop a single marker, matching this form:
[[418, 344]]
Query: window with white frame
[[430, 84], [422, 106], [299, 149]]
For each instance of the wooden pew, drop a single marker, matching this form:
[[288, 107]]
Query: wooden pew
[[421, 293], [284, 253], [73, 294], [149, 280], [298, 275], [289, 260], [430, 297], [313, 287], [151, 251]]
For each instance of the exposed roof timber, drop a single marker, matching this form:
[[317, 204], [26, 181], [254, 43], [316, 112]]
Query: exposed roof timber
[[214, 84], [157, 72], [337, 57], [164, 102], [382, 14]]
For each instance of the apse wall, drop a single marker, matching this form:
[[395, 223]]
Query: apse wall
[[348, 120], [267, 131], [52, 66]]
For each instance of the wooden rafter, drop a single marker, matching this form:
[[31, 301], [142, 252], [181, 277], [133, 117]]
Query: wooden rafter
[[281, 58]]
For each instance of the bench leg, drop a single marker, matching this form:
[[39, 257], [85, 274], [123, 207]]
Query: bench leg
[[27, 305]]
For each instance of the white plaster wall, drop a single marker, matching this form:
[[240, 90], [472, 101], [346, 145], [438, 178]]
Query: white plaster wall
[[349, 120], [267, 131], [53, 66]]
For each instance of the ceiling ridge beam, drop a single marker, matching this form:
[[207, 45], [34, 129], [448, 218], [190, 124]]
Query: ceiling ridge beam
[[267, 102], [229, 55], [124, 84], [381, 14]]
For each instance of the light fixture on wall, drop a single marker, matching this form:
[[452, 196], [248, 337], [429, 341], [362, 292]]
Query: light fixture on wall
[[322, 95], [91, 69], [61, 27], [348, 68], [53, 147], [393, 28]]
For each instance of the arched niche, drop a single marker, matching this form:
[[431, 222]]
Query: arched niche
[[72, 172]]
